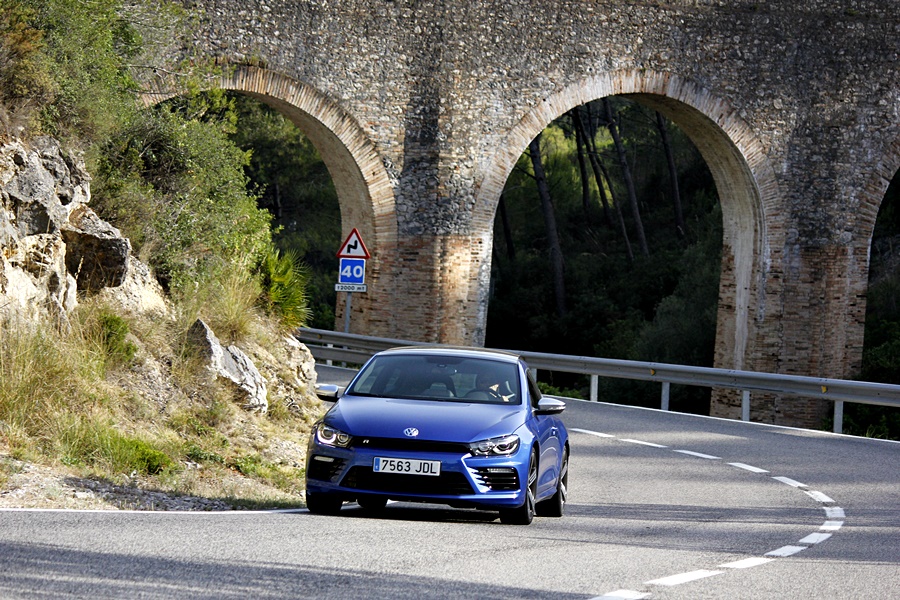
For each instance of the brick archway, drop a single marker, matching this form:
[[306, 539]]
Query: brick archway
[[745, 182], [364, 190]]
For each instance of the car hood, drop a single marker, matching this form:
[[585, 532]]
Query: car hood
[[435, 420]]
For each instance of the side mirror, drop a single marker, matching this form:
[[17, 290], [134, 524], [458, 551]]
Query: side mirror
[[549, 406], [328, 392]]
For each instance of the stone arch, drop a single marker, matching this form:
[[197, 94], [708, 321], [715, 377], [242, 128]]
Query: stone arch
[[364, 189], [873, 192], [869, 203], [745, 182]]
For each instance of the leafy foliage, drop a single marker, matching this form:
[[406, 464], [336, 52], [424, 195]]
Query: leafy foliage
[[171, 179], [293, 184], [177, 188], [284, 284]]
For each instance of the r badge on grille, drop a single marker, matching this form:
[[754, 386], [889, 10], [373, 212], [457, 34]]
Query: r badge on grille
[[410, 432]]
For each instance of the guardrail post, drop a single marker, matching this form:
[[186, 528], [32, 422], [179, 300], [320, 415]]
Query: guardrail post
[[594, 385], [839, 416], [745, 405], [328, 362], [665, 395]]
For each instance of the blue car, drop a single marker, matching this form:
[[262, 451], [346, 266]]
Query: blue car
[[463, 427]]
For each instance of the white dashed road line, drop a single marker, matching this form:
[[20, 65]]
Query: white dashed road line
[[750, 468], [833, 513], [698, 454], [786, 551], [790, 482], [819, 497], [683, 577], [643, 443], [746, 563]]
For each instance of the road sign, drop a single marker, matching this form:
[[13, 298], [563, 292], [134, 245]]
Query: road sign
[[353, 270], [353, 247], [350, 287]]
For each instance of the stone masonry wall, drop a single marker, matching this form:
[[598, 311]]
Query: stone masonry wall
[[794, 103]]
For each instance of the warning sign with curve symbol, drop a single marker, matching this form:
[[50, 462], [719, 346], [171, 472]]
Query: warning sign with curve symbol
[[354, 247]]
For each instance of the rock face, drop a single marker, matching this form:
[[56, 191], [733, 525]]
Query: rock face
[[51, 242]]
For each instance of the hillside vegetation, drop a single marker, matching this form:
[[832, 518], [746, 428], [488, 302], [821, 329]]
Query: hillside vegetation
[[223, 199], [121, 397]]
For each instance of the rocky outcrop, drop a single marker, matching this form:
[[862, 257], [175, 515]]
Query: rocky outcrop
[[232, 364], [51, 242]]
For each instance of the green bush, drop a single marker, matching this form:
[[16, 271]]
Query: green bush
[[89, 442], [284, 280], [114, 333]]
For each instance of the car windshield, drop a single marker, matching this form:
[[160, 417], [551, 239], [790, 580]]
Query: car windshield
[[437, 377]]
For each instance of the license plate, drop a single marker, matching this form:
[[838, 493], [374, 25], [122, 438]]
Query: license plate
[[407, 466]]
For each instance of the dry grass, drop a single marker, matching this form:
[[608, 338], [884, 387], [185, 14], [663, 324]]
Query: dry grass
[[146, 409]]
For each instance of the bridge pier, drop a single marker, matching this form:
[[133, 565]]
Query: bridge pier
[[431, 288]]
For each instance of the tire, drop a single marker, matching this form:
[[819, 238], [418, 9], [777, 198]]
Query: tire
[[372, 503], [323, 504], [524, 515], [556, 504]]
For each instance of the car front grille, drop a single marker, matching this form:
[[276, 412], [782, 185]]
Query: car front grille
[[449, 483], [498, 479], [324, 468], [409, 445]]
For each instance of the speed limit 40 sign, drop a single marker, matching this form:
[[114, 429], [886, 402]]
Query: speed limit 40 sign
[[352, 275]]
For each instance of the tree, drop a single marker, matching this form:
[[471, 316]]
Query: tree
[[673, 172], [586, 140], [557, 261], [611, 123]]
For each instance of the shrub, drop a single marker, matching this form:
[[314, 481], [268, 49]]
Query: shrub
[[284, 280], [114, 332]]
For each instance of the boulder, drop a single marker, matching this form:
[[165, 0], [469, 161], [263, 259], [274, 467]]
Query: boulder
[[231, 364]]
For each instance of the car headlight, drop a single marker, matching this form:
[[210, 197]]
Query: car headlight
[[502, 446], [328, 435]]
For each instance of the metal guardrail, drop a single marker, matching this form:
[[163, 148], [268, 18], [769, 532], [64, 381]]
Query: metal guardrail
[[354, 348]]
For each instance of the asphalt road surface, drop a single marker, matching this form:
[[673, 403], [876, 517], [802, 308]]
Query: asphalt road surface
[[662, 505]]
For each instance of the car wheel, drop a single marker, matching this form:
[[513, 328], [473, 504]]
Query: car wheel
[[556, 504], [323, 504], [372, 503], [524, 515]]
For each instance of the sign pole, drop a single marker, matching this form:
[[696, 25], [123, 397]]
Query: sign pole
[[347, 312]]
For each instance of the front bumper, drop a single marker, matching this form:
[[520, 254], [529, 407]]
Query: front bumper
[[465, 480]]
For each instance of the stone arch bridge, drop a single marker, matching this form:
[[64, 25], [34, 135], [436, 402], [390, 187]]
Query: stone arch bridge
[[420, 109]]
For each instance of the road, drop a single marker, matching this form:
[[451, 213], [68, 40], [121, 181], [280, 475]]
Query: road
[[662, 505]]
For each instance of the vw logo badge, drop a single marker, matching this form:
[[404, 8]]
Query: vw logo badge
[[410, 432]]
